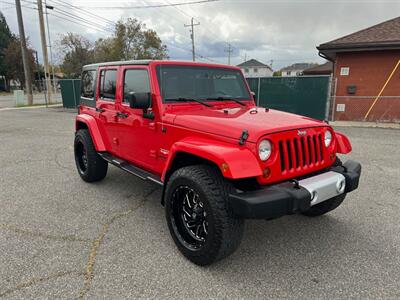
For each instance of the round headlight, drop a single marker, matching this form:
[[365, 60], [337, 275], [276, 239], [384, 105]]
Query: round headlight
[[264, 150], [328, 138]]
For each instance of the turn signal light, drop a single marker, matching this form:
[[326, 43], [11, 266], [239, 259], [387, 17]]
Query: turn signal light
[[224, 167], [266, 172]]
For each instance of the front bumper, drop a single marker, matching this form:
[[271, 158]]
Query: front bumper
[[290, 197]]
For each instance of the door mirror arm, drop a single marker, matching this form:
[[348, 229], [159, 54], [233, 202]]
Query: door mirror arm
[[141, 101]]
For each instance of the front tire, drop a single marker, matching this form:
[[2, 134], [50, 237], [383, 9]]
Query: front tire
[[200, 221], [91, 167]]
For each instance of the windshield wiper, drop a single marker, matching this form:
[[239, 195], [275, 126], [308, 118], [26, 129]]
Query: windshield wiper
[[183, 99], [220, 98]]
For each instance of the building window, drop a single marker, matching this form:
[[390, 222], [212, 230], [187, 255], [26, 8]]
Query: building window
[[288, 73], [344, 71], [246, 70], [255, 70]]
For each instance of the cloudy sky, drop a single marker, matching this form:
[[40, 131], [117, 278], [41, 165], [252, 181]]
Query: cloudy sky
[[281, 31]]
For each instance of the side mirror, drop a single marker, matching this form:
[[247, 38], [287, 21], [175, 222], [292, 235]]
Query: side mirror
[[253, 94], [139, 100]]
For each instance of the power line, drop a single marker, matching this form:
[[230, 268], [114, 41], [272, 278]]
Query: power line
[[76, 17], [83, 11], [210, 32], [13, 4], [77, 23], [149, 6]]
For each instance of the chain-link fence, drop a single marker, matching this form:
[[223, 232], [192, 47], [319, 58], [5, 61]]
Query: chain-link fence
[[346, 105], [15, 97]]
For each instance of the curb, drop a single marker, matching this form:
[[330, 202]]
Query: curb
[[31, 107], [365, 124]]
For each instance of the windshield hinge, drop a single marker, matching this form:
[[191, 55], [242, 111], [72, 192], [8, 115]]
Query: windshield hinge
[[243, 138]]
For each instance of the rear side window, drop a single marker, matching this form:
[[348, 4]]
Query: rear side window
[[108, 84], [136, 80], [87, 84]]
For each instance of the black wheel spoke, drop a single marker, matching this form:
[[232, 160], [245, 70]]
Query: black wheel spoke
[[190, 216]]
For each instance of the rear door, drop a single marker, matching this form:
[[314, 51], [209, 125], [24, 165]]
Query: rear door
[[106, 105]]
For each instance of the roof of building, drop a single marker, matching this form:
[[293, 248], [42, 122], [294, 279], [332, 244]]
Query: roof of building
[[385, 35], [324, 69], [253, 63], [298, 66]]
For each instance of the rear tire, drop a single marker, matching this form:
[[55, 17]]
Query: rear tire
[[91, 167], [200, 221]]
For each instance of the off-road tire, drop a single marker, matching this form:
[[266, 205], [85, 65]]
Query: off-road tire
[[97, 167], [328, 205], [225, 229]]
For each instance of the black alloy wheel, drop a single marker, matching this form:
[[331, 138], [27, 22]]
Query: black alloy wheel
[[189, 217]]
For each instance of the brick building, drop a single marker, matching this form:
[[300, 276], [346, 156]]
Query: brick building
[[363, 61]]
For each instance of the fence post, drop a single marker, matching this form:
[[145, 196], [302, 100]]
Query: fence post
[[73, 90], [334, 99], [258, 91], [45, 95], [328, 98]]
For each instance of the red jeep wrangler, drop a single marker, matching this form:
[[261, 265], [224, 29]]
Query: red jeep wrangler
[[194, 129]]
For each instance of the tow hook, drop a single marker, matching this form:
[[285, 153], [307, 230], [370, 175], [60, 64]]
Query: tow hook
[[244, 136]]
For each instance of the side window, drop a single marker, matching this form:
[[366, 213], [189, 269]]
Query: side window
[[108, 84], [136, 80], [87, 84]]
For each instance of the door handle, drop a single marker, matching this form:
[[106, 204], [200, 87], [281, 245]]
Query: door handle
[[100, 110], [121, 115]]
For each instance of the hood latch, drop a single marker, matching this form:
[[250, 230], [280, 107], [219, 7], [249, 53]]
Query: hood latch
[[244, 136]]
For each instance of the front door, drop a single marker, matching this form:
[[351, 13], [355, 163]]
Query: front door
[[106, 106], [137, 134]]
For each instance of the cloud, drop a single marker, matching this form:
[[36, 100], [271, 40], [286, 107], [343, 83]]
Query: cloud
[[283, 31]]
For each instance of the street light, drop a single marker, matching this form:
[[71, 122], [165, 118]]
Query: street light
[[50, 48]]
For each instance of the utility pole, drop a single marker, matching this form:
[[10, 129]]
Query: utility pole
[[192, 24], [229, 50], [50, 47], [25, 59], [44, 50]]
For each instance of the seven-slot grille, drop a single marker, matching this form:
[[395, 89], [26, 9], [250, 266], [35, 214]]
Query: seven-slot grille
[[301, 152]]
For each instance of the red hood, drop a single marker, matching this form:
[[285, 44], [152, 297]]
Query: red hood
[[230, 122]]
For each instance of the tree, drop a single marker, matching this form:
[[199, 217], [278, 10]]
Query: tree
[[5, 39], [13, 61], [132, 40], [78, 51], [105, 50]]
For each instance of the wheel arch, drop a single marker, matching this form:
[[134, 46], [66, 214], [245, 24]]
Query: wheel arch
[[343, 143], [84, 121], [232, 161]]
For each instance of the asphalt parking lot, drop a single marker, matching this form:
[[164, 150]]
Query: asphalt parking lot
[[63, 238]]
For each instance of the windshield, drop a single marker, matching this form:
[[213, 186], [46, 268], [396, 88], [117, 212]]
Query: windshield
[[203, 83]]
